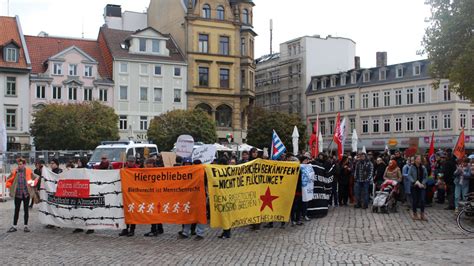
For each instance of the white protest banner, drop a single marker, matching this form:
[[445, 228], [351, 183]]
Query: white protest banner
[[82, 198], [184, 146], [205, 153], [307, 182]]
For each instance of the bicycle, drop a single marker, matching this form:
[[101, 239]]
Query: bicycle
[[465, 218]]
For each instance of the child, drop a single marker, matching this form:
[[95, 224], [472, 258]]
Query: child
[[441, 189]]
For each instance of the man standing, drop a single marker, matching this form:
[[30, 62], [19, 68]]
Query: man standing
[[449, 169], [363, 176]]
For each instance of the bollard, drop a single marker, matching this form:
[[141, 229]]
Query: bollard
[[3, 189]]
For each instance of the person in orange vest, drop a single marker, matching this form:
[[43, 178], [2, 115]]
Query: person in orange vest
[[21, 183]]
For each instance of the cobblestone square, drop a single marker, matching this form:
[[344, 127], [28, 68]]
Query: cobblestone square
[[346, 236]]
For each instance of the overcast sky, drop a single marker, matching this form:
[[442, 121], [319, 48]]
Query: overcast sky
[[394, 26]]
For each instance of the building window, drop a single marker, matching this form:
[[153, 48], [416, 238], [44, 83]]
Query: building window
[[242, 79], [343, 80], [386, 98], [88, 94], [399, 72], [12, 55], [57, 69], [177, 72], [365, 126], [341, 103], [40, 92], [322, 105], [72, 93], [352, 122], [421, 95], [123, 122], [143, 123], [434, 122], [382, 74], [10, 118], [462, 120], [206, 11], [157, 70], [398, 124], [203, 76], [72, 70], [353, 78], [375, 99], [366, 76], [365, 100], [177, 95], [56, 92], [398, 97], [88, 71], [323, 83], [386, 125], [331, 127], [313, 106], [421, 123], [242, 46], [224, 77], [409, 96], [123, 67], [123, 95], [416, 70], [322, 127], [157, 94], [245, 16], [375, 126], [143, 94], [446, 121], [224, 116], [103, 95], [352, 102], [472, 121], [142, 44], [155, 46], [143, 69], [446, 93], [410, 124], [220, 13], [331, 104], [11, 86], [203, 43], [224, 45], [333, 82]]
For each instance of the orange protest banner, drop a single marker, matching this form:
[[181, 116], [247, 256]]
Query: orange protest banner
[[174, 195], [459, 150]]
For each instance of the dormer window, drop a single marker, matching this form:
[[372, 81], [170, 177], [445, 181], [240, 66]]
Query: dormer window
[[382, 74], [416, 70], [323, 83], [155, 46], [399, 72], [245, 16], [333, 82], [343, 80], [366, 77], [220, 13], [57, 69], [11, 54], [142, 43], [353, 78], [206, 11]]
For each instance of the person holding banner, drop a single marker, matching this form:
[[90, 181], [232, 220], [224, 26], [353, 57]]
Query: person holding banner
[[38, 169], [20, 182], [130, 230], [156, 229]]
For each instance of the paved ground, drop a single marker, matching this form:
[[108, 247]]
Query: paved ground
[[345, 236]]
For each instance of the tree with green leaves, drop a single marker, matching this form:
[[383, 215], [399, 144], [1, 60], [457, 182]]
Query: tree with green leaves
[[449, 42], [73, 126], [262, 123], [165, 129]]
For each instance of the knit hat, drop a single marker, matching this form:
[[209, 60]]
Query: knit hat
[[56, 161]]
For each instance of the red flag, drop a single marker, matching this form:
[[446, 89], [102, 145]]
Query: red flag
[[314, 141], [431, 154], [337, 137], [459, 150]]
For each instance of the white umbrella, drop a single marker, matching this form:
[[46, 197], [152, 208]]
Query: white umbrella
[[295, 137], [363, 149], [320, 142], [355, 140], [246, 147], [220, 147]]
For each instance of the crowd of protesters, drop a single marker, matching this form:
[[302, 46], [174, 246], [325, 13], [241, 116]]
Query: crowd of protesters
[[420, 181]]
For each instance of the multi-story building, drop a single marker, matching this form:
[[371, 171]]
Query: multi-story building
[[15, 66], [393, 105], [67, 70], [282, 78], [218, 40], [149, 73]]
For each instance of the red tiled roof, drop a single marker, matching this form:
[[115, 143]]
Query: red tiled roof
[[9, 32], [42, 48]]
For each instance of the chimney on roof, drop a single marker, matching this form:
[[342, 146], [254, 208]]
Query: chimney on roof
[[357, 62], [381, 59], [113, 11]]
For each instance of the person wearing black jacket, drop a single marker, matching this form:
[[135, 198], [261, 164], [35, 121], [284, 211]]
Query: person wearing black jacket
[[449, 169], [380, 167], [344, 177]]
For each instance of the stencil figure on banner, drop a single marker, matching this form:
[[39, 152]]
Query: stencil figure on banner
[[82, 198], [256, 192], [130, 230], [323, 179], [174, 195]]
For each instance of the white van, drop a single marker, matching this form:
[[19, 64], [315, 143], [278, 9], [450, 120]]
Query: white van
[[115, 149]]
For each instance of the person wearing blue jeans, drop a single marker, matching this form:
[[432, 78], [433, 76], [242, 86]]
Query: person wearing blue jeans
[[364, 170], [418, 174], [186, 233], [461, 182]]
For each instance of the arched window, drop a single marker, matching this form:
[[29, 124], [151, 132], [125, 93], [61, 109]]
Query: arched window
[[206, 11], [224, 116], [205, 107], [220, 13], [245, 16]]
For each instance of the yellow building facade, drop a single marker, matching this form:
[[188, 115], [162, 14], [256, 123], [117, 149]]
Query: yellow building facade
[[217, 38]]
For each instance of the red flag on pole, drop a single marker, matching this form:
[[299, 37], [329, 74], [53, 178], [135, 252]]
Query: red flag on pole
[[459, 150], [314, 141], [431, 153], [337, 137]]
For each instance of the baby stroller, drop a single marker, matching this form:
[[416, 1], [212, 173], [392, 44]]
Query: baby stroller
[[385, 200]]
